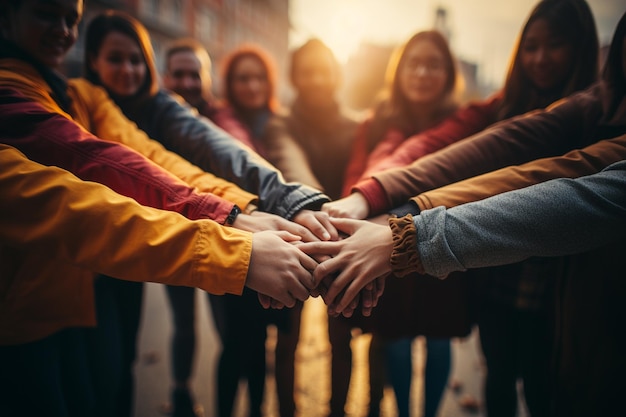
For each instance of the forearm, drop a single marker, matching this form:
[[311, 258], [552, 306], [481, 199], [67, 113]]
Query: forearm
[[536, 135], [577, 163], [51, 139], [463, 123], [109, 123], [209, 147], [104, 232], [558, 217]]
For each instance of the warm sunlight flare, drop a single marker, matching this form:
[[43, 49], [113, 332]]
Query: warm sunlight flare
[[344, 24]]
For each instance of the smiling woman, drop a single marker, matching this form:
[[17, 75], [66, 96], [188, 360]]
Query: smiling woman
[[344, 25], [119, 64], [44, 32]]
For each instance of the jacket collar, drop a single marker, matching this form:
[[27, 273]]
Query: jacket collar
[[56, 81]]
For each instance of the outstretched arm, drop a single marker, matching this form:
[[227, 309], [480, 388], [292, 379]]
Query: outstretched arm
[[211, 148], [95, 219], [558, 217], [555, 218], [564, 126]]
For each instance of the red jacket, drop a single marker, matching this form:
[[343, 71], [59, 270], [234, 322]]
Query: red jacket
[[571, 123], [361, 159], [396, 150], [67, 146]]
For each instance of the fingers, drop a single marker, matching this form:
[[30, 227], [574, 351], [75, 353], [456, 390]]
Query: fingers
[[350, 309], [320, 248], [328, 269], [266, 221], [269, 302], [380, 286], [354, 206], [335, 209], [367, 300], [288, 236], [307, 262], [345, 304], [323, 285], [344, 290], [300, 230], [317, 223], [332, 268], [348, 226], [324, 221], [265, 300]]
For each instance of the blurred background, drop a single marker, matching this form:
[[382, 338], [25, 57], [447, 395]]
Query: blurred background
[[362, 33]]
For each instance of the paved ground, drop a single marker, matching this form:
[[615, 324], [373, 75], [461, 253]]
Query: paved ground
[[153, 375]]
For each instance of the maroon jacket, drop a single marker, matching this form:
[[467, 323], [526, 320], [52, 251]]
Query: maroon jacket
[[571, 123]]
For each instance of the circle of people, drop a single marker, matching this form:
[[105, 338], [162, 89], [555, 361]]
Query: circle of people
[[426, 216]]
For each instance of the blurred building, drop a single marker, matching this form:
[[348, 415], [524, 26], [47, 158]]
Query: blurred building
[[221, 25]]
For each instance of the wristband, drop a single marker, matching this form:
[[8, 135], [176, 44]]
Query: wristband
[[232, 215], [404, 257]]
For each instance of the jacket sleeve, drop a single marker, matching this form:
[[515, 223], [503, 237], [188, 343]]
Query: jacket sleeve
[[574, 164], [108, 122], [555, 218], [566, 125], [204, 144], [105, 232], [52, 139], [286, 155], [358, 157], [464, 122]]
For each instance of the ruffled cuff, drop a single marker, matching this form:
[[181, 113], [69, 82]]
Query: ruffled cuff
[[405, 258]]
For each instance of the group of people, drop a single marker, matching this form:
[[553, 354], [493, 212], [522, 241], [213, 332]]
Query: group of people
[[425, 217]]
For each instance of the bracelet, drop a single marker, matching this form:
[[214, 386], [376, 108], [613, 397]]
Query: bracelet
[[232, 215], [404, 257]]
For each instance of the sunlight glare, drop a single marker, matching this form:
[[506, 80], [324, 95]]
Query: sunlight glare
[[347, 28]]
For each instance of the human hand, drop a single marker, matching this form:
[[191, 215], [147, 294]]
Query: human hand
[[259, 221], [357, 260], [279, 270], [268, 302], [367, 298], [318, 222], [354, 206]]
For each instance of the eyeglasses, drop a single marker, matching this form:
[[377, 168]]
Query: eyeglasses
[[426, 67]]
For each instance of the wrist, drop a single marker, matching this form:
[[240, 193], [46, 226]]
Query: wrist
[[232, 216], [250, 208], [404, 258]]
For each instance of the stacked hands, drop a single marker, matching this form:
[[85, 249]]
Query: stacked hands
[[345, 261]]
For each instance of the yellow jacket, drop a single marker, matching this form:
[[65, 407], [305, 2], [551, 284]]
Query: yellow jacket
[[47, 254], [41, 294]]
